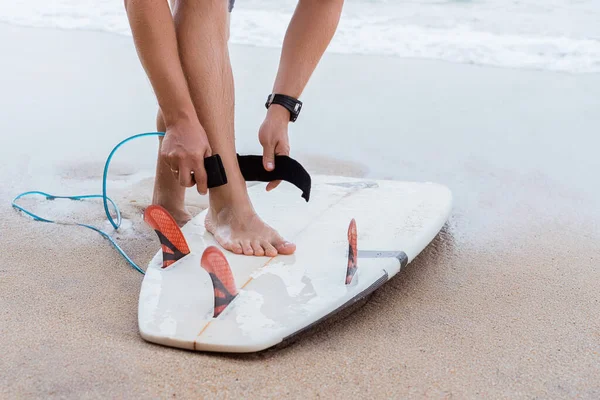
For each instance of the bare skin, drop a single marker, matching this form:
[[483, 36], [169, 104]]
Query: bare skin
[[187, 61], [313, 25]]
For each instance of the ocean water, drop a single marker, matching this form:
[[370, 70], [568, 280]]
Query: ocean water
[[555, 35]]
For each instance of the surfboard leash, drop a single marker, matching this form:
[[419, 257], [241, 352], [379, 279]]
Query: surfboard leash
[[114, 221]]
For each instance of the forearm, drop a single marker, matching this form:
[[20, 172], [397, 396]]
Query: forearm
[[311, 29], [156, 43]]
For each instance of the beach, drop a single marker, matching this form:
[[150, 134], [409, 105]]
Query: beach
[[504, 303]]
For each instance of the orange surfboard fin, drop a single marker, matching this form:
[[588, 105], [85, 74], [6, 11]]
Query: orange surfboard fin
[[352, 252], [174, 246], [215, 263]]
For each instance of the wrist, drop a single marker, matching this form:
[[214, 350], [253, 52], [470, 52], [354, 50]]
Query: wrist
[[179, 116], [278, 113]]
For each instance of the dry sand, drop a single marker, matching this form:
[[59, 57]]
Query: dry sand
[[503, 304]]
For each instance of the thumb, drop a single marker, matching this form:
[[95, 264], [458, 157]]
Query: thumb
[[269, 158]]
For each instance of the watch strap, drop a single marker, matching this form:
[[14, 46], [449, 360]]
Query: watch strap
[[292, 104]]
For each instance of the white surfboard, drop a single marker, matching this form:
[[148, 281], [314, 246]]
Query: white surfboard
[[282, 296]]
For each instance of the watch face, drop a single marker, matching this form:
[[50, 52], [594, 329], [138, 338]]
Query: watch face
[[298, 107]]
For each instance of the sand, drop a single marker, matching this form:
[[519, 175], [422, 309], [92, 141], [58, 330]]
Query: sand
[[503, 304]]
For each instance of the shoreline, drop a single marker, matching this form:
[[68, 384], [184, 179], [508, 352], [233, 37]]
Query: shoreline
[[503, 303], [383, 56]]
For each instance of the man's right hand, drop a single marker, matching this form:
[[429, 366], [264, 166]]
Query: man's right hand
[[183, 149]]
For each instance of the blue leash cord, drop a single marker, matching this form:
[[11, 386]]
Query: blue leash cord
[[103, 196]]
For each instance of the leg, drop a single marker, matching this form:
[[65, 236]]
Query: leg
[[168, 193], [202, 33]]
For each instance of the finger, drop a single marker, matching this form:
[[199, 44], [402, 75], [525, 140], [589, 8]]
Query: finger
[[174, 171], [282, 148], [185, 177], [201, 178], [272, 185], [269, 157], [207, 152], [170, 162]]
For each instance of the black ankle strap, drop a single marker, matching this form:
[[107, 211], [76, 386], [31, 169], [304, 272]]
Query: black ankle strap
[[286, 169], [215, 172]]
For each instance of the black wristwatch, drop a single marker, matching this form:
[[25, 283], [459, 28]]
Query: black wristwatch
[[291, 104]]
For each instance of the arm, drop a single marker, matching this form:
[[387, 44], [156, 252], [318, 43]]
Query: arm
[[309, 33], [185, 144]]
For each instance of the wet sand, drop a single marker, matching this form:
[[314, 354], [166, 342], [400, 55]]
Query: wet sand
[[503, 304]]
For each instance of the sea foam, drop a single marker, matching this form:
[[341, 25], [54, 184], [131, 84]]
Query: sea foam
[[554, 35]]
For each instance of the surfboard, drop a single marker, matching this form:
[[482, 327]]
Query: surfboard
[[352, 237]]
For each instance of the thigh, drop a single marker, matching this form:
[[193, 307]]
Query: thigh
[[204, 6], [202, 34], [201, 20]]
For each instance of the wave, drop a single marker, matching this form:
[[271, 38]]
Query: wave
[[448, 33]]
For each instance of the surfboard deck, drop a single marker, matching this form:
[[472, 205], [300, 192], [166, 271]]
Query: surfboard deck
[[284, 295]]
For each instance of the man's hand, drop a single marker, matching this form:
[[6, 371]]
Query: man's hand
[[273, 136], [183, 149]]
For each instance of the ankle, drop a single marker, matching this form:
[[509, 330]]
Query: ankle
[[169, 204], [232, 198]]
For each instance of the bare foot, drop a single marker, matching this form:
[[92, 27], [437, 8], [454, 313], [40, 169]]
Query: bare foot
[[171, 196], [239, 229], [172, 201], [177, 211]]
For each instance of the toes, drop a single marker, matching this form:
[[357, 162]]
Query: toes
[[285, 248], [270, 251], [258, 249], [233, 246], [237, 248], [247, 247]]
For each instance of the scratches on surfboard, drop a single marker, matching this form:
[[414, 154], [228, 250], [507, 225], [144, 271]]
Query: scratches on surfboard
[[352, 251], [215, 263], [356, 185], [174, 245]]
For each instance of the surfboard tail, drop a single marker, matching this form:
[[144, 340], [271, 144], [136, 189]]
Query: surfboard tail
[[174, 245], [352, 251], [215, 263]]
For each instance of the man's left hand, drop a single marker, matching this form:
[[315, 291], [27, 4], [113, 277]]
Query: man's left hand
[[273, 136]]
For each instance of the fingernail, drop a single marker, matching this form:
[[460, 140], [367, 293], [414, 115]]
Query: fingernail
[[269, 165]]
